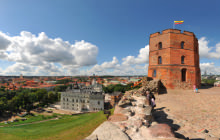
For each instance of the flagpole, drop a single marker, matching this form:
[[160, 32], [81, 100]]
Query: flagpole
[[173, 25]]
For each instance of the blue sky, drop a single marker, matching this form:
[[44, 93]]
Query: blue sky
[[104, 37]]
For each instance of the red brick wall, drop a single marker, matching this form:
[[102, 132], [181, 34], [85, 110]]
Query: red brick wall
[[170, 70]]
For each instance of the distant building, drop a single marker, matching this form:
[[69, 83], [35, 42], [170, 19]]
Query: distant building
[[88, 98], [217, 78], [217, 84], [21, 76]]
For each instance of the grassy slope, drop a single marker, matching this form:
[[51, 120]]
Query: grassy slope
[[30, 119], [68, 128]]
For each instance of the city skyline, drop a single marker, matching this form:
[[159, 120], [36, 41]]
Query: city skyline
[[98, 37]]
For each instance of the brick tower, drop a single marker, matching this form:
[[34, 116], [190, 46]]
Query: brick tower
[[174, 58]]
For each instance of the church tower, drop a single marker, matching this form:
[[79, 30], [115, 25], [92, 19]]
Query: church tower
[[174, 58]]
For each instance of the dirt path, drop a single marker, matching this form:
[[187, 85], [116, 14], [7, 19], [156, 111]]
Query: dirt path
[[190, 113]]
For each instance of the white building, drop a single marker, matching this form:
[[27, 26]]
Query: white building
[[81, 99]]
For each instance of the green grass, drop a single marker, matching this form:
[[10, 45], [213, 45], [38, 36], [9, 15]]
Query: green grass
[[30, 119], [68, 128], [112, 111]]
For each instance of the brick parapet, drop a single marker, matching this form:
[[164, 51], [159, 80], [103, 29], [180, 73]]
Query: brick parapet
[[176, 31]]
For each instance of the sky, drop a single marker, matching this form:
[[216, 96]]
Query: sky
[[102, 37]]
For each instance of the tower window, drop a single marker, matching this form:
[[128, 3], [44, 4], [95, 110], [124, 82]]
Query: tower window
[[160, 45], [183, 71], [182, 45], [159, 60], [154, 73], [182, 59]]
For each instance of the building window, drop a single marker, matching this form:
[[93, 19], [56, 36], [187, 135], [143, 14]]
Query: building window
[[72, 100], [154, 73], [182, 59], [66, 99], [182, 45], [183, 71], [159, 60], [77, 100], [160, 45], [98, 102]]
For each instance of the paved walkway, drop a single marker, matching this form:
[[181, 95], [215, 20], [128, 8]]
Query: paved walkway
[[193, 112]]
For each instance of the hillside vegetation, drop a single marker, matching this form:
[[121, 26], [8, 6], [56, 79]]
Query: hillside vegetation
[[67, 127]]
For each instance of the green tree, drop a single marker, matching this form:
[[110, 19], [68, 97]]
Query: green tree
[[14, 104], [3, 105], [52, 97], [40, 94], [60, 88]]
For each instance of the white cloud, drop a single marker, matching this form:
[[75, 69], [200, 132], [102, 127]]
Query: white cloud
[[4, 41], [49, 69], [19, 68], [111, 65], [37, 55], [209, 68], [115, 68], [206, 51], [37, 50], [142, 58]]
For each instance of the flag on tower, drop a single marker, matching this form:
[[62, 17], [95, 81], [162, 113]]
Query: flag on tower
[[178, 22]]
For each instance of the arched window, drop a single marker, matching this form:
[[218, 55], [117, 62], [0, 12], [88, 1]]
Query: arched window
[[183, 72], [182, 59], [182, 45], [160, 45], [159, 60], [154, 73], [72, 100]]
